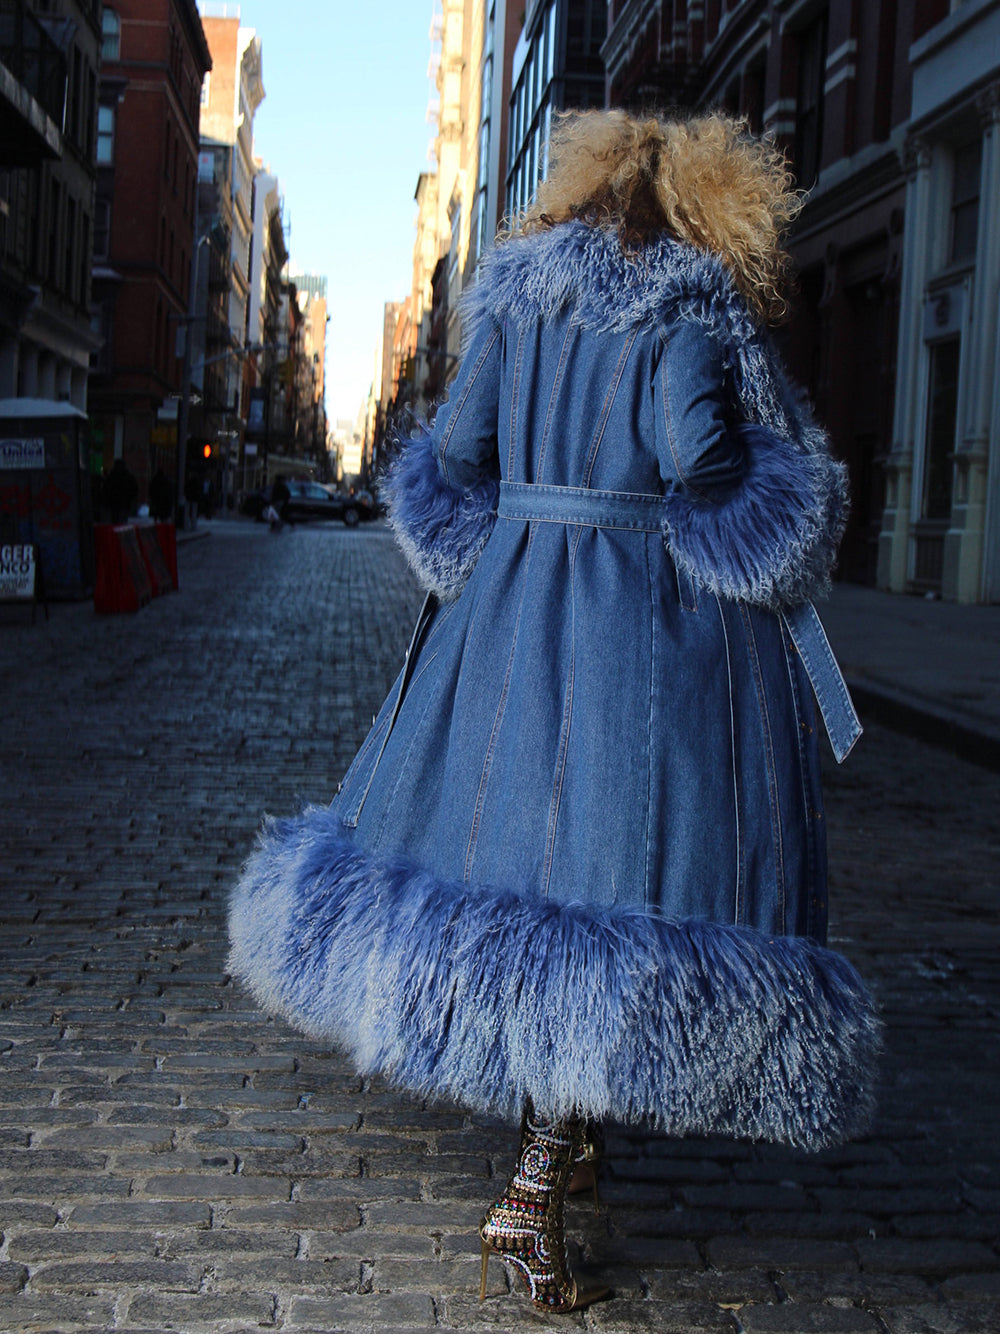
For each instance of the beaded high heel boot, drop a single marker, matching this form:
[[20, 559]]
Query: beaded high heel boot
[[525, 1226]]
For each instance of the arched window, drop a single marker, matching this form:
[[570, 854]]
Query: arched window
[[111, 35]]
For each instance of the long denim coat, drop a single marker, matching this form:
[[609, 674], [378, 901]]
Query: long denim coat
[[581, 854]]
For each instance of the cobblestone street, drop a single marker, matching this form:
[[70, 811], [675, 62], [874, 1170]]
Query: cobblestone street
[[170, 1159]]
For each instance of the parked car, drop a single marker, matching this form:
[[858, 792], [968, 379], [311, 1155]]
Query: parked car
[[357, 508], [313, 500]]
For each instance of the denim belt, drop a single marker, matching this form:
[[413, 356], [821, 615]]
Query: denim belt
[[642, 513]]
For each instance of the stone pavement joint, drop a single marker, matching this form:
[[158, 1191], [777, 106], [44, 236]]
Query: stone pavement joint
[[171, 1159]]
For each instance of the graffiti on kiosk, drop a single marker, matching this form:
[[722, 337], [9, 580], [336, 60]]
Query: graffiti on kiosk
[[15, 499], [53, 506]]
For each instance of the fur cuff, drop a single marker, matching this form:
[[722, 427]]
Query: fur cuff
[[486, 996], [442, 529], [773, 540]]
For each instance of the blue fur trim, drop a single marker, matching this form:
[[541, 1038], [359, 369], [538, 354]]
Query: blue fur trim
[[442, 529], [774, 539], [583, 267], [486, 996]]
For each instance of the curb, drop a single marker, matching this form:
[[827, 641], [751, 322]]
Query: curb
[[192, 535], [937, 727]]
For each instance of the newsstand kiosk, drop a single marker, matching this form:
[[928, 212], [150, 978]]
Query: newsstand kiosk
[[45, 491]]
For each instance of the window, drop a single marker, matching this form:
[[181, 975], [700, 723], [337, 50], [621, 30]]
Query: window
[[111, 35], [55, 216], [88, 114], [102, 228], [75, 93], [809, 101], [753, 95], [84, 261], [942, 411], [967, 169], [69, 251], [105, 136]]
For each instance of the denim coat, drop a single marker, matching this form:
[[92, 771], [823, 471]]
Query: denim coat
[[581, 854]]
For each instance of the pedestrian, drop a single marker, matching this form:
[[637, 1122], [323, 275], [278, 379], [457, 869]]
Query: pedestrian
[[120, 491], [280, 496], [161, 495], [577, 870]]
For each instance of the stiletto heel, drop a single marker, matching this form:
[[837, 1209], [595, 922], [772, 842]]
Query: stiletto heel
[[486, 1259], [591, 1156]]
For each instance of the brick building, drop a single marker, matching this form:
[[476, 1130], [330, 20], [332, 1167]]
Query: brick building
[[839, 84], [48, 108], [154, 60], [49, 56]]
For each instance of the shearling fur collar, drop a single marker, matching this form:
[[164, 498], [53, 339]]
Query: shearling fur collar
[[584, 268]]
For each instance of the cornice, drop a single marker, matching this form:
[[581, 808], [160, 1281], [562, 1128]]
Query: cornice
[[625, 29]]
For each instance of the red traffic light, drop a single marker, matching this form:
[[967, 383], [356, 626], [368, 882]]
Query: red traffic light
[[206, 451]]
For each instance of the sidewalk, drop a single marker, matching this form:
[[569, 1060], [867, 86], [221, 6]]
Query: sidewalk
[[931, 669]]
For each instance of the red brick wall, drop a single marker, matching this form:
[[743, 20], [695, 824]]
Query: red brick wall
[[155, 176]]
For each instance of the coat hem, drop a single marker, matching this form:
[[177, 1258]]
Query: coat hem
[[487, 995]]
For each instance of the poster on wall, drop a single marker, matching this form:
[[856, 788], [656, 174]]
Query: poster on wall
[[22, 454], [17, 572]]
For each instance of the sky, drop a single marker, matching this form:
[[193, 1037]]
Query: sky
[[343, 127]]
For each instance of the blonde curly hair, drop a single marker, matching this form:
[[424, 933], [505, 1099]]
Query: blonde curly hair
[[705, 179]]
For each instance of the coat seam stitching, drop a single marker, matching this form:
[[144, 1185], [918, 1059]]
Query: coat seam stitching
[[470, 851], [609, 399], [563, 353], [772, 780], [556, 798], [460, 405], [732, 750]]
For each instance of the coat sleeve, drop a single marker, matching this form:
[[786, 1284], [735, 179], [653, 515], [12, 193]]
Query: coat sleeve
[[750, 515], [442, 490]]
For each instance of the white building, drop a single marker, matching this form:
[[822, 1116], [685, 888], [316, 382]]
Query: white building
[[941, 523]]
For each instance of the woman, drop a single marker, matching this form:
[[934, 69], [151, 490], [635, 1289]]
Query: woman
[[578, 866]]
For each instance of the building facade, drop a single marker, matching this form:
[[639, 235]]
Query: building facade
[[230, 98], [49, 60], [502, 27], [154, 60], [557, 64], [310, 371], [884, 110], [941, 524], [214, 426]]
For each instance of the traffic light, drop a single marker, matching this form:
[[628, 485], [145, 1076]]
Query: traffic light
[[206, 451]]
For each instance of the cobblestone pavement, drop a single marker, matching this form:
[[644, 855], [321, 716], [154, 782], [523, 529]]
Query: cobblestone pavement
[[170, 1159]]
